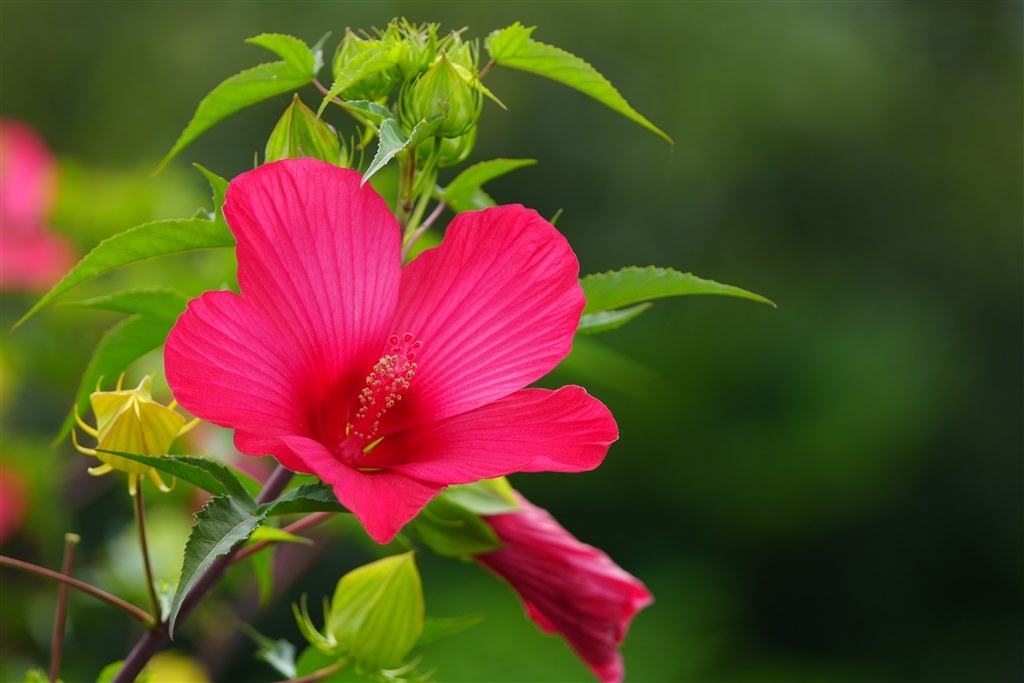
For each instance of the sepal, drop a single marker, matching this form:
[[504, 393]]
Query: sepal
[[299, 133]]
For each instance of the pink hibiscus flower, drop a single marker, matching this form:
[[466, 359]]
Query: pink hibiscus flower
[[31, 256], [388, 383], [568, 587]]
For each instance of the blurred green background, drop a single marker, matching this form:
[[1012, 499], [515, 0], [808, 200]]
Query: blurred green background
[[829, 491]]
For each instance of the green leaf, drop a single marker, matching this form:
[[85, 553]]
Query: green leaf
[[250, 86], [515, 48], [379, 112], [120, 346], [221, 525], [436, 628], [453, 531], [304, 499], [604, 321], [372, 60], [263, 569], [275, 535], [473, 201], [633, 285], [154, 302], [219, 187], [38, 676], [206, 473], [463, 188], [280, 653], [164, 596], [108, 672], [299, 133], [377, 611], [111, 670], [136, 244], [484, 497], [393, 140]]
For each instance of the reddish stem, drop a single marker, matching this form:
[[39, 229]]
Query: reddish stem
[[57, 644], [295, 527], [318, 675], [80, 585], [156, 636]]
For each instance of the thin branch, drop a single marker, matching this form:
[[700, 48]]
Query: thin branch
[[323, 89], [153, 639], [354, 113], [140, 517], [295, 527], [57, 643], [318, 675], [424, 226], [92, 590], [486, 70]]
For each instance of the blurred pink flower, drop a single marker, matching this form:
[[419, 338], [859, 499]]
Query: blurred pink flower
[[31, 256], [13, 496], [568, 587], [388, 383]]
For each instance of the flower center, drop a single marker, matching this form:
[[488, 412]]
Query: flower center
[[390, 377]]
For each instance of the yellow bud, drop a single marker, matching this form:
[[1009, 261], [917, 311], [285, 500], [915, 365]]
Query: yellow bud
[[130, 421]]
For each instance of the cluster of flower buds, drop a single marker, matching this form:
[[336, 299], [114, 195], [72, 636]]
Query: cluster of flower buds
[[435, 78]]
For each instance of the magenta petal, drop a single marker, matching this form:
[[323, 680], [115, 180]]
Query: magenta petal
[[532, 430], [495, 306], [382, 500], [319, 256], [28, 177], [33, 262], [228, 365], [567, 586]]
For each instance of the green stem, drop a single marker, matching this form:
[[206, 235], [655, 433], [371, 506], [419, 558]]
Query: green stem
[[156, 636], [417, 214], [423, 227], [406, 180], [80, 585], [57, 644], [140, 518]]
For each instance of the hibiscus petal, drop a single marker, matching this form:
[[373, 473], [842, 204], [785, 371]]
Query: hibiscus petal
[[320, 256], [532, 430], [228, 365], [32, 261], [495, 306], [383, 501], [28, 177], [567, 586]]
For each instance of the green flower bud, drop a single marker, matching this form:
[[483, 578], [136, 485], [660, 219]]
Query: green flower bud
[[456, 150], [418, 47], [462, 54], [374, 86], [442, 89], [376, 615]]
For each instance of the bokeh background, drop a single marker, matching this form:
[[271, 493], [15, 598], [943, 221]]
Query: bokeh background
[[829, 491]]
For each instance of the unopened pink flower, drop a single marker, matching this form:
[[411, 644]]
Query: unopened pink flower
[[388, 383], [567, 586], [32, 257]]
